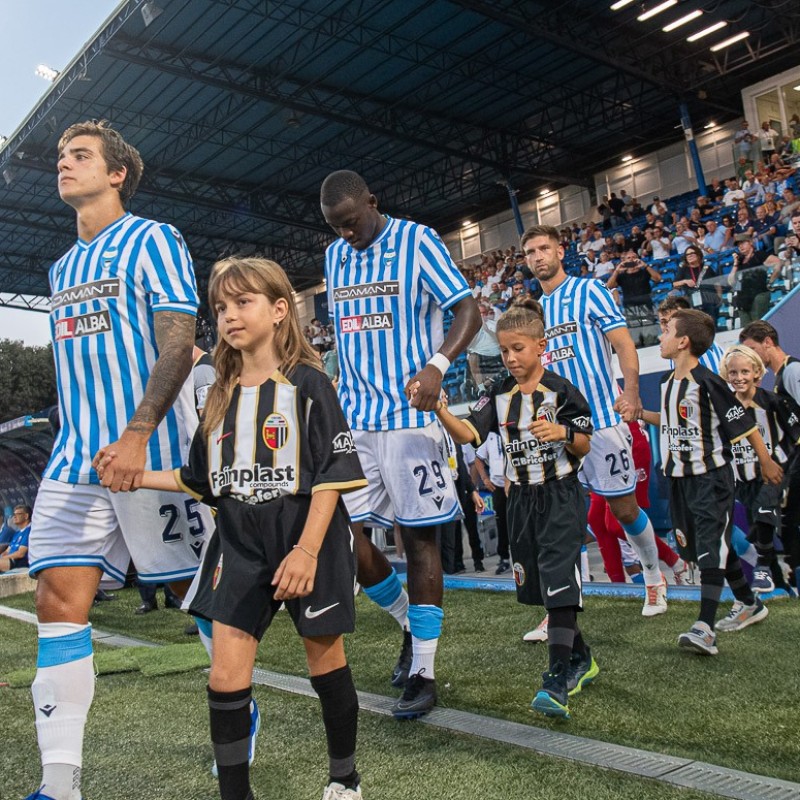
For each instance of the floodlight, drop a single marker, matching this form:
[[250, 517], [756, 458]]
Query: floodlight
[[728, 42]]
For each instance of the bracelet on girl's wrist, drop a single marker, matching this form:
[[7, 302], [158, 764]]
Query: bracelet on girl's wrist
[[569, 435], [307, 552]]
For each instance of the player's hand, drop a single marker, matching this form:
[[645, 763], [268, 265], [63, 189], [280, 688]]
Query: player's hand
[[771, 472], [425, 395], [546, 431], [295, 575], [629, 406], [478, 501], [124, 472]]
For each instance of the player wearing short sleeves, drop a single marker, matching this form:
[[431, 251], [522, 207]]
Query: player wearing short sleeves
[[699, 421], [544, 424], [712, 357], [389, 283], [779, 426], [762, 337], [582, 325], [122, 320]]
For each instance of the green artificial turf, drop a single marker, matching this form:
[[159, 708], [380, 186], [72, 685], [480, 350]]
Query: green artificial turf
[[740, 709]]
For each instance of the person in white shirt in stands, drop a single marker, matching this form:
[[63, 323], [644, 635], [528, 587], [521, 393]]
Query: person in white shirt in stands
[[717, 238], [658, 244], [768, 137], [683, 238], [659, 208], [733, 194]]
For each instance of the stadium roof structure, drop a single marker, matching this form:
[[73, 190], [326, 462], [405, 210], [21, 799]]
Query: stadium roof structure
[[241, 108]]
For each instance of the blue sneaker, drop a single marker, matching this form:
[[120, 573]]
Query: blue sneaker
[[38, 795], [255, 726], [552, 699]]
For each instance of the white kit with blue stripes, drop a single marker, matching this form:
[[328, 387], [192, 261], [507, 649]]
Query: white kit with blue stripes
[[387, 303], [104, 297], [577, 315]]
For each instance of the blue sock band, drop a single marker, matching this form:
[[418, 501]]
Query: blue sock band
[[205, 626], [64, 649], [385, 592], [739, 541], [425, 621], [638, 578], [636, 527], [583, 548]]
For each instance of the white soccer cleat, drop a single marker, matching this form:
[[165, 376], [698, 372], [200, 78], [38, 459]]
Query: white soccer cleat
[[337, 791], [655, 599], [539, 633]]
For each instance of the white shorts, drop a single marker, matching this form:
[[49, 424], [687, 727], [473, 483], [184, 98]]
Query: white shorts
[[78, 525], [408, 479], [608, 469]]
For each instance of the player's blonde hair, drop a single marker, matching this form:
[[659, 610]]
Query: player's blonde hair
[[742, 351], [236, 275]]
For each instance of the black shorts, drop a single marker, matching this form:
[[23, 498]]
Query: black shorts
[[248, 546], [546, 530], [762, 501], [702, 515]]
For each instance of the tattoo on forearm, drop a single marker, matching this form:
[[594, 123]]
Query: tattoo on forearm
[[175, 338]]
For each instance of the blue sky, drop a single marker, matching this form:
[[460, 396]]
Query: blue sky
[[35, 32]]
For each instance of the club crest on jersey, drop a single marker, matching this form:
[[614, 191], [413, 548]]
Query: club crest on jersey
[[217, 573], [680, 537], [275, 431], [85, 325], [389, 258], [343, 443], [519, 574], [109, 257], [685, 409], [547, 412]]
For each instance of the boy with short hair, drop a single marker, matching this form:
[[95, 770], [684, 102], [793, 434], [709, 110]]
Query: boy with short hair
[[699, 421]]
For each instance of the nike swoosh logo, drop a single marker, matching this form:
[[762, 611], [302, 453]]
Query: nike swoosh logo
[[702, 555], [552, 592], [314, 614], [224, 436], [766, 510]]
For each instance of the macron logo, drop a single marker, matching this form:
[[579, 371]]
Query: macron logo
[[47, 710]]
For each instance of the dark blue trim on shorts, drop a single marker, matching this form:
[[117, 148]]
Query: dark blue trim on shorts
[[76, 561]]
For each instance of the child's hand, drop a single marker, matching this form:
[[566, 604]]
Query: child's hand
[[478, 502], [771, 473], [102, 460], [546, 431], [295, 575], [411, 392]]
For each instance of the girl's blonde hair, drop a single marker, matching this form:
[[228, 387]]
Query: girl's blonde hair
[[236, 275], [524, 315], [742, 351]]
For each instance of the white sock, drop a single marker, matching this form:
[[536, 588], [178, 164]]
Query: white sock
[[644, 544], [399, 610], [585, 565], [62, 696], [424, 656]]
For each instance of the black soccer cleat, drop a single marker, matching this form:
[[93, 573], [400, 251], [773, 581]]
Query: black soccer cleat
[[419, 697], [403, 665]]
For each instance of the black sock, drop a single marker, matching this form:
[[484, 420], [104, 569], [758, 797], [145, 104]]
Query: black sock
[[711, 581], [579, 646], [230, 736], [337, 695], [736, 580], [777, 573], [560, 635], [763, 536]]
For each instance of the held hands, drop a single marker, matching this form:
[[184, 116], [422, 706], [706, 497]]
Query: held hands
[[295, 575], [413, 388], [129, 453], [629, 406], [423, 389]]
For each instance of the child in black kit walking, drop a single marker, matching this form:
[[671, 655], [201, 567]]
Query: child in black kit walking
[[699, 421], [273, 456], [545, 424]]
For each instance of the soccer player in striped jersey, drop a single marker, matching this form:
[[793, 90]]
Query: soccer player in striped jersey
[[582, 325], [779, 426], [699, 421], [389, 283], [123, 318], [762, 337], [544, 424], [712, 357]]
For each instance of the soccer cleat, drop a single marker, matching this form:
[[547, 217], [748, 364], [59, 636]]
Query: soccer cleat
[[762, 582], [681, 573], [655, 599], [503, 566], [38, 795], [419, 697], [255, 726], [552, 699], [700, 638], [741, 615], [582, 670], [539, 633], [403, 665], [338, 791]]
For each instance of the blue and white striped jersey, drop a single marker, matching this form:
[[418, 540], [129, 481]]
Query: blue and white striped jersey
[[712, 357], [104, 295], [577, 315], [387, 303]]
